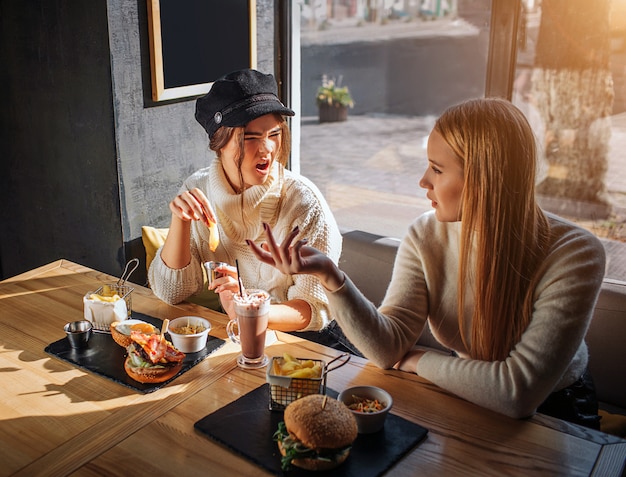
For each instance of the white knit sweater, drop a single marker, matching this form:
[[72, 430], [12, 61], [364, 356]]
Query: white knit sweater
[[552, 353], [284, 203]]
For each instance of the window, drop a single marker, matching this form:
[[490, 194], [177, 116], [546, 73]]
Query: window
[[569, 81], [404, 62]]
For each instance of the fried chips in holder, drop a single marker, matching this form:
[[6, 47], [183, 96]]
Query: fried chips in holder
[[111, 302], [292, 378], [107, 304]]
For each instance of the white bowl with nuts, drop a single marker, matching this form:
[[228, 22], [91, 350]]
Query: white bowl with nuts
[[189, 333]]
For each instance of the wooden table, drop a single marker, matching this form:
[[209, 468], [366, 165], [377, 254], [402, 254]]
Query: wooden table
[[56, 419]]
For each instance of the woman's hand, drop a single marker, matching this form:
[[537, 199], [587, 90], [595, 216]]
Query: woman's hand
[[297, 258], [409, 361], [226, 286], [187, 206], [192, 205]]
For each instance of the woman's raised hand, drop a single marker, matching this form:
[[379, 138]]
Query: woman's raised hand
[[297, 258], [191, 205]]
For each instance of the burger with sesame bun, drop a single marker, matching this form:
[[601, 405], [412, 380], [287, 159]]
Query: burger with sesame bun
[[317, 433], [151, 358]]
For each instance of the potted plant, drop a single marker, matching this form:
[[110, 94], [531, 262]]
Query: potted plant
[[333, 100]]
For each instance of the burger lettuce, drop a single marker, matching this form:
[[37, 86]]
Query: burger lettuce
[[294, 449], [152, 351], [139, 359]]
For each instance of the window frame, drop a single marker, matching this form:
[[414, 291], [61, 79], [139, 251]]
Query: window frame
[[502, 53]]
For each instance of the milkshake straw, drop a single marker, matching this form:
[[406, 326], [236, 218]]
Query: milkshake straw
[[241, 290]]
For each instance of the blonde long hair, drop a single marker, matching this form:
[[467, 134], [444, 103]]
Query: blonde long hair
[[501, 221]]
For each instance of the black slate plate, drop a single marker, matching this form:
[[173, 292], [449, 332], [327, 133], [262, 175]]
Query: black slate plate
[[105, 357], [246, 427]]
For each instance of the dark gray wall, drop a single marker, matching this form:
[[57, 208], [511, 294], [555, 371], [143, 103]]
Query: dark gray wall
[[58, 178], [86, 157]]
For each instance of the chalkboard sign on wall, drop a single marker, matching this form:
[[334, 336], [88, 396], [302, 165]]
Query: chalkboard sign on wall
[[194, 42]]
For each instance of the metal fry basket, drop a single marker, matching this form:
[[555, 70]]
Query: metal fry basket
[[120, 288], [285, 389]]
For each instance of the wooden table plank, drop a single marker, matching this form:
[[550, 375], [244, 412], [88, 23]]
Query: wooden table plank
[[183, 450], [479, 443], [127, 419], [69, 407], [58, 419]]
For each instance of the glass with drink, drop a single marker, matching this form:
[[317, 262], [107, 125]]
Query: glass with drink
[[211, 272], [252, 311]]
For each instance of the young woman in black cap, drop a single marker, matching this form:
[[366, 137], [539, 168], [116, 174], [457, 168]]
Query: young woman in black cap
[[245, 186]]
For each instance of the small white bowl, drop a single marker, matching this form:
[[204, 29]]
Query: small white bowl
[[368, 422], [189, 343]]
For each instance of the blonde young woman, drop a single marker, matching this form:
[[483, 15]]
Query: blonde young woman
[[245, 186], [509, 289]]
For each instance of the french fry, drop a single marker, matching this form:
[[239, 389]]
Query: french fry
[[308, 363], [295, 368], [288, 367], [110, 299], [306, 373], [214, 236], [288, 358], [106, 291]]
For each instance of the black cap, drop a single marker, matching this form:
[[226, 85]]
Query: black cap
[[238, 98]]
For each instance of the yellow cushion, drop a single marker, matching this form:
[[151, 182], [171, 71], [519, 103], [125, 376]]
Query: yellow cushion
[[613, 423], [207, 298], [152, 239]]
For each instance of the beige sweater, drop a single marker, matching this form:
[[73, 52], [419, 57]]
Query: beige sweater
[[282, 203], [551, 354]]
